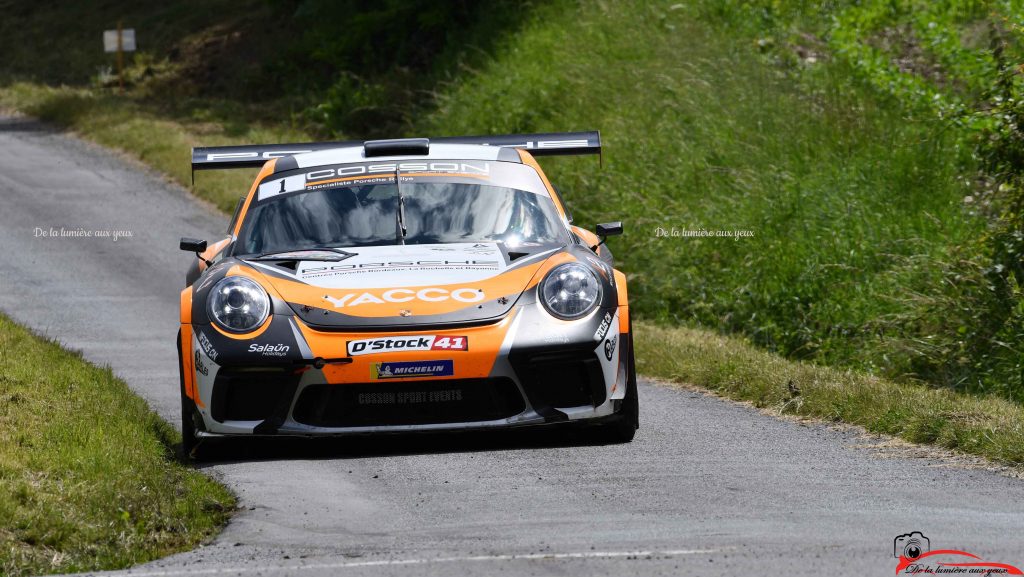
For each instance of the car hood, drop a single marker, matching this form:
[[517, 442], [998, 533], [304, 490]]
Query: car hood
[[405, 285]]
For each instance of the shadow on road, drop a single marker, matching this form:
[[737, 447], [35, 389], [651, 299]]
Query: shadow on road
[[220, 451], [22, 124]]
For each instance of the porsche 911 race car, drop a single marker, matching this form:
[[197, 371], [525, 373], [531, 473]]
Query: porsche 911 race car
[[404, 285]]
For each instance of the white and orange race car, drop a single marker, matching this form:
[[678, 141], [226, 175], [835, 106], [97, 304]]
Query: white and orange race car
[[404, 285]]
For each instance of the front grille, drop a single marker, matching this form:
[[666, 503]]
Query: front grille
[[561, 379], [250, 394], [408, 403]]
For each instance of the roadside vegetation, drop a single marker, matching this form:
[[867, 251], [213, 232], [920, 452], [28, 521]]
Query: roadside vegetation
[[956, 66], [990, 427], [873, 148], [88, 476]]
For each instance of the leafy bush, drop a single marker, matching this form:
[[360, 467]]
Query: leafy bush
[[378, 60], [955, 63]]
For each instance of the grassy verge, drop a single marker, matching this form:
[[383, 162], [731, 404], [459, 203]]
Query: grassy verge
[[988, 427], [88, 478]]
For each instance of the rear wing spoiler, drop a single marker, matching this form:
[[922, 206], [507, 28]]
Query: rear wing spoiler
[[255, 155]]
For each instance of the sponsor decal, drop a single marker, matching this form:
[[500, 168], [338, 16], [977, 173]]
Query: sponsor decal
[[602, 330], [321, 271], [432, 295], [410, 397], [917, 557], [280, 186], [200, 366], [398, 370], [364, 173], [449, 265], [406, 343], [609, 346], [207, 346], [389, 168], [266, 155], [268, 350]]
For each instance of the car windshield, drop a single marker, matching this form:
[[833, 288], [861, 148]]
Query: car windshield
[[355, 215]]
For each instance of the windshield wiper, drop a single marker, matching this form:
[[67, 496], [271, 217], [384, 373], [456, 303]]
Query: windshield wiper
[[304, 254], [400, 230]]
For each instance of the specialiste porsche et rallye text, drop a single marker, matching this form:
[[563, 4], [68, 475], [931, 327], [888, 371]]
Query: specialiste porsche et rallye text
[[404, 285]]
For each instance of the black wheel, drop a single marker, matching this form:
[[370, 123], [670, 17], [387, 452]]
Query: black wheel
[[188, 425], [625, 424]]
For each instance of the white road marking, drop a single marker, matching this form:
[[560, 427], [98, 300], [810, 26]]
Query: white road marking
[[426, 561]]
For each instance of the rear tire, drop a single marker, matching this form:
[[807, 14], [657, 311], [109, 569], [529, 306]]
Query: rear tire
[[188, 426], [625, 424]]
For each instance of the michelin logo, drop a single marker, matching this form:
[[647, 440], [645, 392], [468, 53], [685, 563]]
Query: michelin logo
[[444, 368]]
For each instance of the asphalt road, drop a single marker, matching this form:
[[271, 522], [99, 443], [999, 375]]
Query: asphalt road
[[707, 488]]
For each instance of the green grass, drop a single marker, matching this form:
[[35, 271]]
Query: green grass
[[730, 366], [88, 477]]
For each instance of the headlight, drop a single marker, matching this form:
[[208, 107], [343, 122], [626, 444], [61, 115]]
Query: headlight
[[238, 304], [570, 291]]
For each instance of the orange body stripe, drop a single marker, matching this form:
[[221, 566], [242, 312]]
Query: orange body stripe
[[530, 161], [620, 287], [266, 171], [244, 336], [185, 314], [185, 306]]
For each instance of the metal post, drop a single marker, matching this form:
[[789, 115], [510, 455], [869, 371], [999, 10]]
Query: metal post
[[120, 61]]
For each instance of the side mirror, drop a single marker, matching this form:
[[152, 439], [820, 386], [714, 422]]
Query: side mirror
[[604, 230], [609, 229], [194, 245]]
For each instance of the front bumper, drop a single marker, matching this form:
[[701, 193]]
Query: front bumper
[[536, 373]]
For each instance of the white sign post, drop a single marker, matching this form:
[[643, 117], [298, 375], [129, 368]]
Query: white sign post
[[120, 41]]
